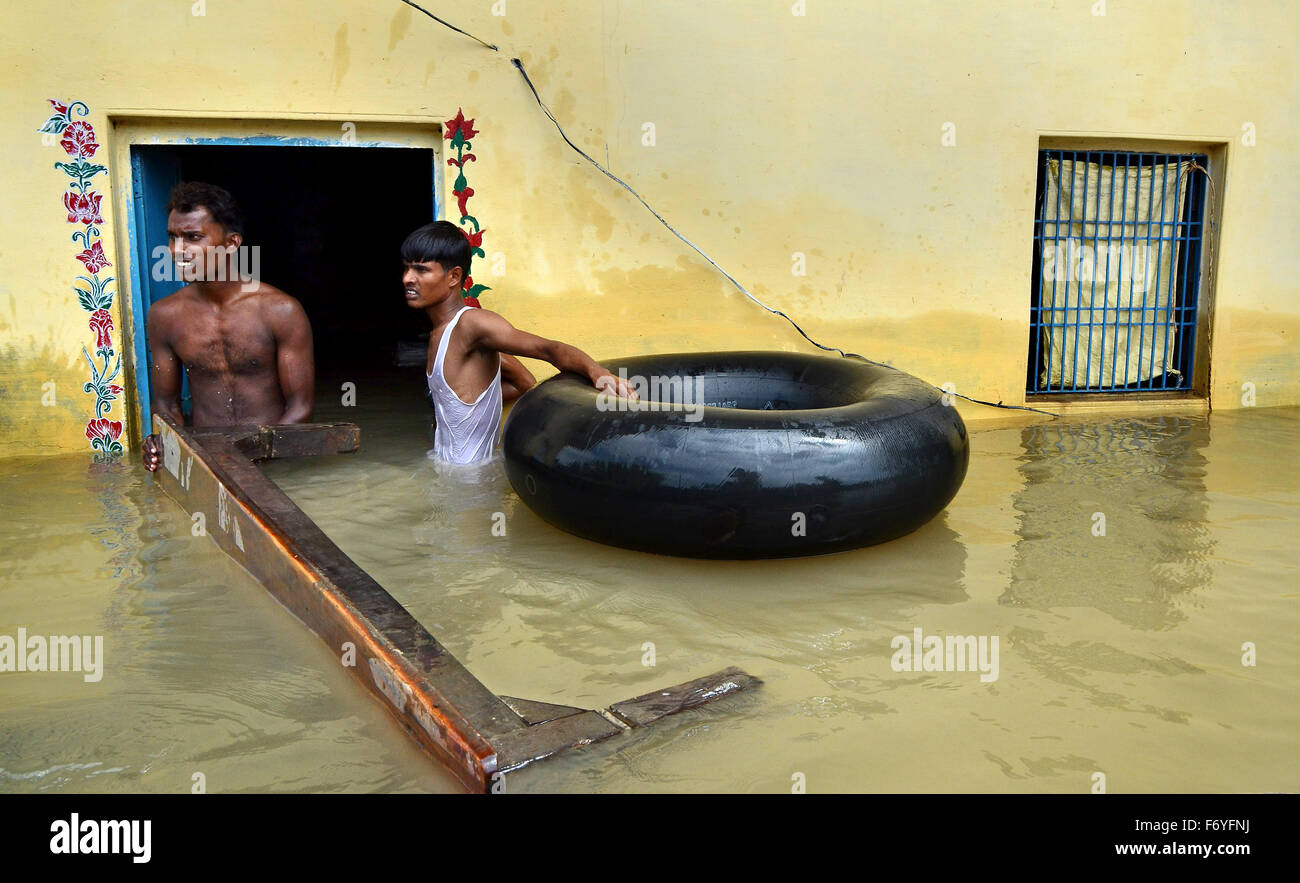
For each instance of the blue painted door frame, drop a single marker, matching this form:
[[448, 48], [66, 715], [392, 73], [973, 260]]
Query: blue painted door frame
[[154, 171]]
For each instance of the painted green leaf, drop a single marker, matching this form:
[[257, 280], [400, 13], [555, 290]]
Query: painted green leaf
[[55, 124], [81, 169], [86, 300], [476, 289]]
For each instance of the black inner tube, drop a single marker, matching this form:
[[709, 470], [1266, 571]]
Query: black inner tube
[[738, 455]]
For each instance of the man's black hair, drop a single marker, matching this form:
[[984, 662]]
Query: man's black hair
[[189, 196], [440, 241]]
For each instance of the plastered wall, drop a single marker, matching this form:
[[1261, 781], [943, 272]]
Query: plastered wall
[[775, 135]]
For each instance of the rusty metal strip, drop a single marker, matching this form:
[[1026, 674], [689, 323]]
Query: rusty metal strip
[[476, 734]]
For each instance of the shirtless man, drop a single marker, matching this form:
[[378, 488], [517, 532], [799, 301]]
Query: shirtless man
[[245, 345]]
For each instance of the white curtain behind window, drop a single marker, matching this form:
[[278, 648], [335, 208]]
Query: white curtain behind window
[[1119, 275]]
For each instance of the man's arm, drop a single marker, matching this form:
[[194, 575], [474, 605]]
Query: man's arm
[[515, 378], [490, 330], [164, 368], [295, 360], [164, 382]]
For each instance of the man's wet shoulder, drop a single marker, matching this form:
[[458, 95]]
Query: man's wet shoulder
[[268, 296], [282, 312], [174, 304]]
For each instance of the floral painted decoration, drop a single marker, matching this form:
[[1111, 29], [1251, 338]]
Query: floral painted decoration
[[82, 204], [104, 435], [459, 131]]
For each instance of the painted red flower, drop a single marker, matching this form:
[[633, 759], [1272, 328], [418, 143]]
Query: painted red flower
[[473, 302], [94, 258], [79, 139], [114, 389], [59, 106], [104, 428], [101, 323], [452, 126], [459, 124], [467, 283], [475, 239], [83, 208], [462, 197]]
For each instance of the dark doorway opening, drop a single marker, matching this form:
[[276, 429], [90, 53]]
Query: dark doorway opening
[[328, 222]]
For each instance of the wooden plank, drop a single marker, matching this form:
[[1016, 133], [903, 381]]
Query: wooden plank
[[395, 658], [476, 734], [538, 742], [289, 440], [534, 712], [335, 572], [313, 440], [647, 708]]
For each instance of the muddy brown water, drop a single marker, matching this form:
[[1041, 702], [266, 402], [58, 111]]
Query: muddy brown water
[[1119, 654]]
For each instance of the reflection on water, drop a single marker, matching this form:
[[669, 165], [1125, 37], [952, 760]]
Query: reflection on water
[[1113, 517], [1120, 653]]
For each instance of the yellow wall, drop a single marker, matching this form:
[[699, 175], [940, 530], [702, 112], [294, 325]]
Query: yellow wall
[[775, 134]]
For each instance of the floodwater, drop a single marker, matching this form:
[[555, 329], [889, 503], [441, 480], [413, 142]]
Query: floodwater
[[203, 673], [1126, 567]]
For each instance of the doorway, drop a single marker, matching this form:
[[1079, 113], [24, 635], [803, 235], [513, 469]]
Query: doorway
[[328, 222]]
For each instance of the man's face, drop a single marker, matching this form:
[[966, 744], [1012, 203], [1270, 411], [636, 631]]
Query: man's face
[[200, 246], [426, 283]]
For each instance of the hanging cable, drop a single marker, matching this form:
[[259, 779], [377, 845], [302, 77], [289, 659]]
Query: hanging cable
[[450, 25], [519, 66]]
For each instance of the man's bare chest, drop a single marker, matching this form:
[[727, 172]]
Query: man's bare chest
[[230, 342]]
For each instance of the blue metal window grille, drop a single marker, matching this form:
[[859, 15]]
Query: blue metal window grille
[[1116, 274]]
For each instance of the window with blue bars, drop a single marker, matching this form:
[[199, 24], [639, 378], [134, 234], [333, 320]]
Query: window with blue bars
[[1117, 258]]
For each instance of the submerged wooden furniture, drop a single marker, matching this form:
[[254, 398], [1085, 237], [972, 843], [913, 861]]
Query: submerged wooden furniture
[[477, 734]]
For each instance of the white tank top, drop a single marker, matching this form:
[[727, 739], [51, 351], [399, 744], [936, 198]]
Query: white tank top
[[466, 433]]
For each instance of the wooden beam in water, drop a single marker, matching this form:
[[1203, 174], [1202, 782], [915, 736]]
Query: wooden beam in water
[[476, 734], [647, 708]]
